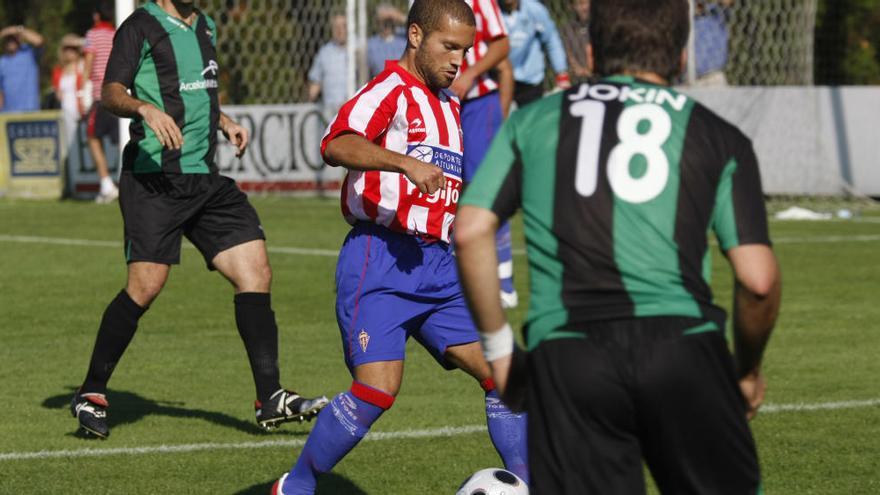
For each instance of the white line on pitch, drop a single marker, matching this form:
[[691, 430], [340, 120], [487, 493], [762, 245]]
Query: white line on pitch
[[376, 436], [821, 406], [194, 447]]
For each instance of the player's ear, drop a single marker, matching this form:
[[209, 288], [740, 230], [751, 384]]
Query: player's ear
[[683, 61], [591, 63], [415, 35]]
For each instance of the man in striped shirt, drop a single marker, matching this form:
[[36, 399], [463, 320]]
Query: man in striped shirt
[[400, 139], [485, 86], [101, 123]]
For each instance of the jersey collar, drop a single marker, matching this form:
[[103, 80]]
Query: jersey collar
[[394, 66]]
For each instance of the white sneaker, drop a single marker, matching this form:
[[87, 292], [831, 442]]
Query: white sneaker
[[509, 300], [108, 196]]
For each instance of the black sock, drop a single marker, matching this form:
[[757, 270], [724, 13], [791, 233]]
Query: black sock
[[117, 328], [259, 332]]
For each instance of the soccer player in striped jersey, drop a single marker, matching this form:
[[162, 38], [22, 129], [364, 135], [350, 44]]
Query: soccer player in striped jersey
[[486, 86], [620, 181], [400, 140]]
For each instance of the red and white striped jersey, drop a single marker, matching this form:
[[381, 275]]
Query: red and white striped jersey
[[398, 112], [490, 27], [99, 42]]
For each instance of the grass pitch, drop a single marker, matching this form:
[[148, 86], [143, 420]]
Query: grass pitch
[[181, 413]]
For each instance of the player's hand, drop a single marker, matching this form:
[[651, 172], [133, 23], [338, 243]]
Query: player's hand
[[163, 126], [427, 178], [237, 135], [462, 85], [753, 388], [511, 379]]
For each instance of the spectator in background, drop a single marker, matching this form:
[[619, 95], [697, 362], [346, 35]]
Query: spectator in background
[[576, 37], [532, 35], [69, 83], [389, 42], [19, 69], [328, 75], [710, 41], [101, 123]]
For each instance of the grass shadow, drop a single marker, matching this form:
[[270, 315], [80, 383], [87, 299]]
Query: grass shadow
[[327, 483], [129, 407]]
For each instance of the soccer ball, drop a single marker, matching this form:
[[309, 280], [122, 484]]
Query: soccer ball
[[493, 481]]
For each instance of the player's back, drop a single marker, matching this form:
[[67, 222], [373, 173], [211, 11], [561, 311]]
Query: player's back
[[620, 183]]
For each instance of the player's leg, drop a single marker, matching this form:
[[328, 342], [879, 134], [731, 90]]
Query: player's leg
[[97, 128], [696, 436], [229, 236], [342, 425], [507, 429], [582, 422], [369, 281], [152, 244], [480, 120]]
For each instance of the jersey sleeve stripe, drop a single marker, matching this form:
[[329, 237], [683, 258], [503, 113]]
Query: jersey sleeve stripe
[[428, 115], [492, 17]]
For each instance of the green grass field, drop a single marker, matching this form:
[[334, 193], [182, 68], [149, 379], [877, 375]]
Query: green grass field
[[183, 392]]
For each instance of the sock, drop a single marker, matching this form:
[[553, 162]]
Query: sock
[[115, 333], [507, 430], [259, 332], [340, 426], [504, 249], [107, 185]]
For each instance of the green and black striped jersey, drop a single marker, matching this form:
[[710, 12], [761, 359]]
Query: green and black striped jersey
[[620, 183], [172, 65]]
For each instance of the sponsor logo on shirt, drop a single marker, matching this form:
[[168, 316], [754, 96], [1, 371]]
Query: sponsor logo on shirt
[[210, 70], [417, 130]]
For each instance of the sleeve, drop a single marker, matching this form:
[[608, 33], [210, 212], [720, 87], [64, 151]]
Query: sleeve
[[550, 38], [89, 46], [497, 185], [213, 27], [740, 214], [492, 25], [316, 72], [368, 114], [125, 57]]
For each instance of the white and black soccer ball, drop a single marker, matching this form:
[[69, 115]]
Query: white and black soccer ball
[[493, 481]]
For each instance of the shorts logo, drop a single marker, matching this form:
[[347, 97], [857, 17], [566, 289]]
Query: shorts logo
[[364, 339]]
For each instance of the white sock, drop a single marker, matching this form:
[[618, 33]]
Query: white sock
[[107, 185]]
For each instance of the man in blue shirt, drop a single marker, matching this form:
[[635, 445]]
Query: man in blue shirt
[[328, 75], [711, 40], [390, 40], [19, 69], [533, 33]]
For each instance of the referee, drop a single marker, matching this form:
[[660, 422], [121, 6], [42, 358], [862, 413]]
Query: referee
[[619, 181], [164, 53]]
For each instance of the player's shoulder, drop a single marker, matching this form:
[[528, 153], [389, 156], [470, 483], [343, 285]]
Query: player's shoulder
[[208, 20], [534, 7], [140, 20], [704, 118]]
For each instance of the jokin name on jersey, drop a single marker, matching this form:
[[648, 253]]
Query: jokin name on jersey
[[608, 92]]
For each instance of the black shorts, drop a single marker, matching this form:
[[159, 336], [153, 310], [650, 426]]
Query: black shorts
[[101, 123], [209, 209], [602, 400]]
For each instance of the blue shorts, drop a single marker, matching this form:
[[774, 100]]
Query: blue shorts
[[390, 286], [480, 120]]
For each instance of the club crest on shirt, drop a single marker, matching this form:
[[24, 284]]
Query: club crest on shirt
[[364, 339]]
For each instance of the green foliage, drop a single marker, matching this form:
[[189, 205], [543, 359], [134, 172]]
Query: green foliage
[[848, 42]]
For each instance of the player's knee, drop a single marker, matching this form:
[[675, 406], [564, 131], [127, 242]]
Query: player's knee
[[255, 279], [144, 292]]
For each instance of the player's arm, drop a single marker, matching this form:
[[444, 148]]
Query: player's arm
[[492, 196], [235, 133], [314, 91], [740, 222], [356, 152], [115, 98], [506, 85], [496, 52], [757, 294], [88, 61]]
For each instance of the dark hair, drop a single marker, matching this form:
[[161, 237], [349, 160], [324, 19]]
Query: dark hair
[[104, 9], [639, 35], [429, 14]]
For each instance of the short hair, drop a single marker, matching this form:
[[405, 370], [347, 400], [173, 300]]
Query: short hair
[[639, 35], [105, 9], [429, 14]]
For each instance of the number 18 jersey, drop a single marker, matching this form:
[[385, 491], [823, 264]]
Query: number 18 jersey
[[620, 183]]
